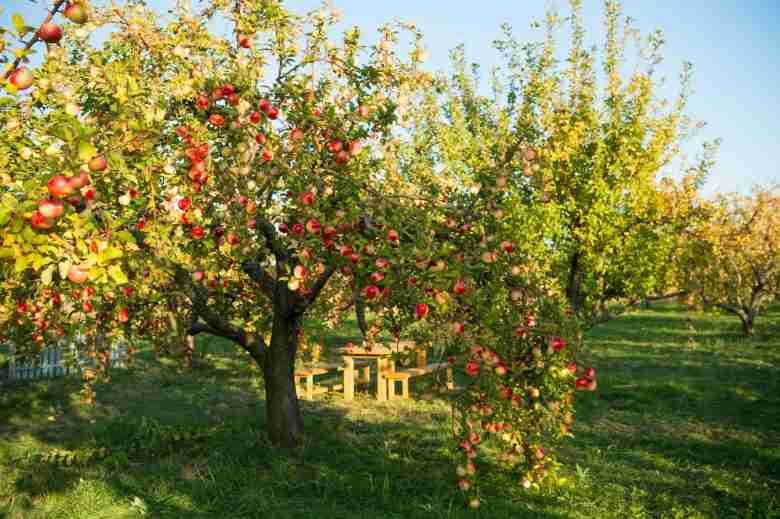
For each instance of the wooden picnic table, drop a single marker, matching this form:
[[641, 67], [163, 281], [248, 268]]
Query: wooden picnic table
[[384, 365]]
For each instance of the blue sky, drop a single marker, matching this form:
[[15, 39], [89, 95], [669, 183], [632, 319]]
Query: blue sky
[[734, 46]]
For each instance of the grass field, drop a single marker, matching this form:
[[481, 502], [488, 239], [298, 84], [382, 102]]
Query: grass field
[[672, 432]]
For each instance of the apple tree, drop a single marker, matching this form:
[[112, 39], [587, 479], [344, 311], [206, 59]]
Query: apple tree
[[731, 261], [237, 182]]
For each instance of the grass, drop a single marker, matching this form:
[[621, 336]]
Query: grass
[[672, 432]]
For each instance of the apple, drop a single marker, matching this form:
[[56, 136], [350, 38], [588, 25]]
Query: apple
[[458, 328], [77, 275], [421, 310], [59, 186], [98, 163], [392, 235], [464, 485], [184, 204], [472, 368], [300, 271], [76, 13], [264, 105], [218, 231], [197, 232], [590, 373], [21, 78], [474, 502], [216, 120], [39, 221], [273, 112], [78, 181], [268, 155], [202, 102], [558, 343], [283, 228], [363, 111], [354, 147], [199, 276], [335, 146], [252, 224], [313, 226], [124, 315], [296, 134], [500, 369], [505, 392], [460, 287], [232, 238], [298, 229], [50, 32], [255, 118], [51, 209], [245, 41], [342, 157], [371, 292], [382, 263], [306, 198], [507, 246]]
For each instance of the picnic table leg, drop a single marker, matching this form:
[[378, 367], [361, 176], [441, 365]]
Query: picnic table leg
[[310, 387], [381, 381], [349, 378]]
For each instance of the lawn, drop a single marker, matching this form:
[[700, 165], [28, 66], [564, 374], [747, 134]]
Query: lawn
[[673, 432]]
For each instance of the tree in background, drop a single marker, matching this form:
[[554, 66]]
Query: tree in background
[[732, 260]]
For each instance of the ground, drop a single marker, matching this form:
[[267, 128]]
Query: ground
[[673, 432]]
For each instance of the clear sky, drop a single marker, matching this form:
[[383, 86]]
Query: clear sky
[[733, 44]]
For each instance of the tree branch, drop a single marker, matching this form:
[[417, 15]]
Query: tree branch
[[259, 275], [34, 39]]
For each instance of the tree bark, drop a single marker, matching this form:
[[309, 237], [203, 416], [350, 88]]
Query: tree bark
[[747, 324], [573, 288], [283, 414]]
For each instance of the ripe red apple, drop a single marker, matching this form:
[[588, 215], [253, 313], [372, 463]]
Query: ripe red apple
[[202, 102], [38, 221], [296, 134], [252, 224], [460, 287], [377, 277], [306, 198], [124, 315], [313, 226], [21, 78], [197, 232], [472, 368], [581, 383], [590, 373], [342, 157], [298, 229], [98, 163], [507, 246], [371, 292], [283, 228], [51, 209], [50, 32], [184, 204], [272, 112], [558, 343], [232, 238], [59, 186], [421, 310], [500, 369], [199, 276], [255, 118], [335, 146], [363, 111], [77, 275], [458, 327], [245, 41], [268, 155], [263, 105], [382, 263], [300, 271], [392, 235], [75, 12], [216, 120]]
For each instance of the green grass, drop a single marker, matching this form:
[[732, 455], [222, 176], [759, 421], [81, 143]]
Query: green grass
[[672, 432]]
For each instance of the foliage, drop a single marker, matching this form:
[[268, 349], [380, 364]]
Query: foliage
[[731, 261]]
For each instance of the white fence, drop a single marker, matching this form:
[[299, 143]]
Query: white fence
[[60, 360]]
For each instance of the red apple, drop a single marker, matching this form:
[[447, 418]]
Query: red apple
[[263, 105], [558, 343], [124, 315], [472, 368], [202, 102], [298, 229], [306, 198], [76, 13], [355, 147], [268, 155], [79, 181], [38, 221], [21, 78], [50, 32], [421, 310], [197, 232], [342, 157], [216, 120], [313, 226], [460, 287], [59, 186], [296, 134], [392, 235], [232, 238], [371, 292], [51, 209], [363, 111], [77, 275], [245, 41], [272, 112], [283, 228], [184, 204], [300, 271], [590, 373], [335, 146]]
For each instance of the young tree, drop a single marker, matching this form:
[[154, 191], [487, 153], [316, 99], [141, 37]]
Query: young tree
[[603, 143], [246, 180], [732, 260]]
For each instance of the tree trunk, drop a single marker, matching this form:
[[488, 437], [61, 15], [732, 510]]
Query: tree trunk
[[283, 414], [573, 288], [747, 324]]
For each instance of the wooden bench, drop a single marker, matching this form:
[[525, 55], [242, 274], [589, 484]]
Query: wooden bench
[[310, 389], [434, 367], [398, 376]]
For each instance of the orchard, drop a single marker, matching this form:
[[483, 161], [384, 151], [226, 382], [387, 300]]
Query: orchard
[[166, 180]]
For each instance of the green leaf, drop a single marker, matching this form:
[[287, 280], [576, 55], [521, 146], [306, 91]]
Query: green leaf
[[119, 277], [5, 215], [109, 254], [86, 150], [47, 274], [19, 24]]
